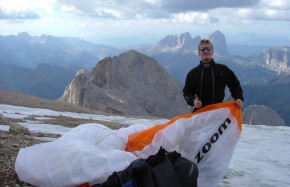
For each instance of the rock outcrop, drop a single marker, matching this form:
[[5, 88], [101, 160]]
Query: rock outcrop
[[275, 59], [262, 115], [219, 42], [132, 84]]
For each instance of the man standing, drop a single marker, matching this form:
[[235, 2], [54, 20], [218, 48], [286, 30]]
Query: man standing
[[206, 83]]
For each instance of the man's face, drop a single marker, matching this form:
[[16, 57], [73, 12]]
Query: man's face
[[205, 52]]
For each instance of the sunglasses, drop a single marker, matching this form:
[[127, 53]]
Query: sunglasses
[[206, 49]]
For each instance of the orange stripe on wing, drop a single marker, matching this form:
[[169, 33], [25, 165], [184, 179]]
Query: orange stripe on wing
[[137, 141], [235, 111]]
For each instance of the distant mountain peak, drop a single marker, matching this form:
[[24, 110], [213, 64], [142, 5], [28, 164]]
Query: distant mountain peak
[[184, 43], [24, 35], [173, 43], [219, 42]]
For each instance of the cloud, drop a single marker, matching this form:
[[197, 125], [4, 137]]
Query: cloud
[[269, 14], [250, 14], [18, 15], [277, 4], [117, 9], [170, 6], [174, 6], [195, 17], [183, 11], [25, 9]]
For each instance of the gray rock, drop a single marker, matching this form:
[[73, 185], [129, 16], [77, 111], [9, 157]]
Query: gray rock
[[262, 115], [131, 84], [276, 59], [174, 43], [17, 129], [219, 42]]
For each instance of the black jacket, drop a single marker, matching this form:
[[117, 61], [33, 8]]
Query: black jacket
[[209, 83]]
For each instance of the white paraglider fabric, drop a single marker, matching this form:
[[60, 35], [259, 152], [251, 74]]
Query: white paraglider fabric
[[90, 153]]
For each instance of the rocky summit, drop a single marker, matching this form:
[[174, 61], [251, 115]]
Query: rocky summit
[[132, 84]]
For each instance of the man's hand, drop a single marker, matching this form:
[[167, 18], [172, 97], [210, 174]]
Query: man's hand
[[197, 102], [239, 103]]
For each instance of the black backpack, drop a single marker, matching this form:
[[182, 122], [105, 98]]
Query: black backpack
[[165, 169]]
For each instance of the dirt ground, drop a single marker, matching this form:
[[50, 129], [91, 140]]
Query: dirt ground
[[10, 143]]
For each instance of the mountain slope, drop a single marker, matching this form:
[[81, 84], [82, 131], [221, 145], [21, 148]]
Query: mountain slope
[[46, 81], [26, 100]]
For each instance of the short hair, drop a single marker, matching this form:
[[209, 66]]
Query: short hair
[[205, 41]]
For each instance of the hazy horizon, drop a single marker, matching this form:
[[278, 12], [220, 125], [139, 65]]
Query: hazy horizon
[[121, 42]]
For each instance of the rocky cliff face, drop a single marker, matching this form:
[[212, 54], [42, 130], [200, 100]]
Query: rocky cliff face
[[184, 43], [131, 83], [74, 92], [275, 59], [174, 43], [219, 42], [262, 115]]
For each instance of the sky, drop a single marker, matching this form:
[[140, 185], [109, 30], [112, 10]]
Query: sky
[[261, 157], [146, 21]]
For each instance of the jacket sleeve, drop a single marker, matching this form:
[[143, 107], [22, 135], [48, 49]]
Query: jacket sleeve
[[188, 90], [234, 86]]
